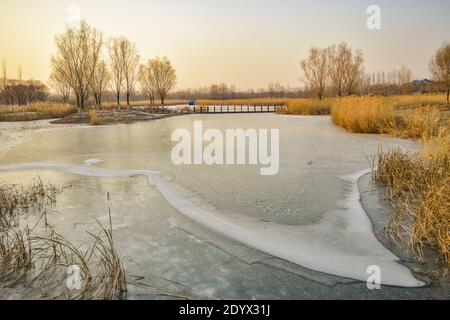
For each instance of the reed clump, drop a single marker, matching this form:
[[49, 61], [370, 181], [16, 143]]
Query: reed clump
[[307, 107], [419, 187], [95, 119], [42, 262], [380, 115], [362, 114], [414, 123], [101, 272], [15, 257], [15, 200], [414, 101]]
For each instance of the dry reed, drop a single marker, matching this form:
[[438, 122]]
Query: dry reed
[[309, 106], [38, 111], [42, 262], [419, 187], [362, 114]]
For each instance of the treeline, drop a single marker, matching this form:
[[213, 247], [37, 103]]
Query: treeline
[[339, 71], [87, 66], [229, 92], [21, 92]]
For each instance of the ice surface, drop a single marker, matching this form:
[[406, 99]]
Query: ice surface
[[342, 243]]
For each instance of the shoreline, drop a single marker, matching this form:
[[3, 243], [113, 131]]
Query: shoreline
[[379, 211]]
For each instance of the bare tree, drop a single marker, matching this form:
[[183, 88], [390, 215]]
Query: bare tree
[[315, 69], [77, 58], [354, 72], [116, 68], [124, 62], [165, 77], [440, 66], [58, 82], [404, 75], [101, 80], [403, 79], [130, 62], [147, 81], [340, 58], [3, 85]]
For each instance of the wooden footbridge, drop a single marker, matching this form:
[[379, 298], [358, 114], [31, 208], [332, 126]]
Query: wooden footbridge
[[237, 109]]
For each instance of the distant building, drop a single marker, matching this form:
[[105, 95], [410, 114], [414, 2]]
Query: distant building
[[422, 86]]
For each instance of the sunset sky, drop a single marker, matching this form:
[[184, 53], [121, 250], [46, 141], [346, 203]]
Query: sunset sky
[[247, 43]]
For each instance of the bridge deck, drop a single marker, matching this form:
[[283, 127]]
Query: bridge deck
[[236, 109]]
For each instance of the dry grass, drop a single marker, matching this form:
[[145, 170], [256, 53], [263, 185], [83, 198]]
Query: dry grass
[[15, 201], [102, 274], [379, 115], [15, 258], [42, 262], [39, 111], [414, 101], [419, 187], [414, 123], [417, 184], [309, 106], [362, 114], [95, 119]]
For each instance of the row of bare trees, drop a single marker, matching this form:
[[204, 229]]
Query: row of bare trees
[[21, 92], [340, 71], [88, 67], [337, 68], [227, 92], [397, 81]]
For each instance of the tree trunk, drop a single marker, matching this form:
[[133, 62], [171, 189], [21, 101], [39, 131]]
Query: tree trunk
[[97, 102], [448, 94], [162, 104], [78, 104], [128, 101], [118, 101]]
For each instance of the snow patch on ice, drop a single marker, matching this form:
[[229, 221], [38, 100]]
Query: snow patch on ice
[[92, 162]]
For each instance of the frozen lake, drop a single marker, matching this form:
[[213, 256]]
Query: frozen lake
[[222, 231]]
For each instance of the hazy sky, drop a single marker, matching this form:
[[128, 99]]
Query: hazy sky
[[248, 43]]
